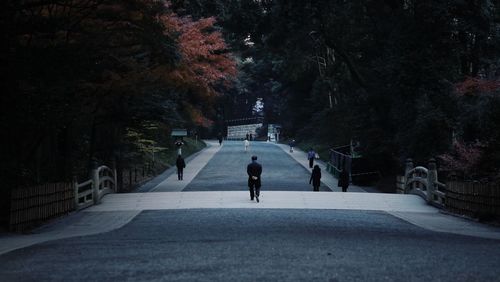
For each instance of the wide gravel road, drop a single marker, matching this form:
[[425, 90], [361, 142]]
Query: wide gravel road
[[259, 245], [226, 171]]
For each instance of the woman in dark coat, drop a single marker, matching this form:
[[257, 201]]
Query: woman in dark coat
[[344, 180], [315, 178], [180, 166]]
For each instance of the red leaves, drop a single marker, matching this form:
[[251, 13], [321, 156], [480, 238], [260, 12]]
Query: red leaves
[[205, 60], [476, 86], [464, 158], [197, 116], [205, 64]]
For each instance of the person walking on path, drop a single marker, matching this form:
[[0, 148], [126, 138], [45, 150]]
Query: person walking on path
[[292, 144], [254, 170], [220, 139], [315, 178], [247, 144], [310, 156], [344, 179], [178, 144], [180, 166]]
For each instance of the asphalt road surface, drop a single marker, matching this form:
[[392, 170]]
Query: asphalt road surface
[[259, 245], [226, 171]]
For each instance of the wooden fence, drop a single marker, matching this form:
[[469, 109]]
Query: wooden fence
[[359, 172], [34, 205], [474, 199], [130, 178]]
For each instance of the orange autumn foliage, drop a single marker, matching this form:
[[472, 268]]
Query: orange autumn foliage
[[205, 61], [197, 116], [205, 67]]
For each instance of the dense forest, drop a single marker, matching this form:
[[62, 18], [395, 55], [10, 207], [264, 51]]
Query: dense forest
[[401, 78], [106, 80], [103, 81]]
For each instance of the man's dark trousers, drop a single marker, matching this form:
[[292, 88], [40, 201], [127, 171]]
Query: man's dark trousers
[[254, 187]]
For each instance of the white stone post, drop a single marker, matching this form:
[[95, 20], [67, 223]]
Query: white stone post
[[408, 167], [115, 177], [75, 187], [95, 185], [432, 177]]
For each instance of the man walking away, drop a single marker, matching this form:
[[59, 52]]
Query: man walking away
[[254, 170], [344, 179], [310, 156], [180, 166], [315, 178], [220, 139]]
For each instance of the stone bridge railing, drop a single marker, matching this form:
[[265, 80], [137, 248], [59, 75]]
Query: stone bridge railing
[[423, 182], [103, 181], [31, 206]]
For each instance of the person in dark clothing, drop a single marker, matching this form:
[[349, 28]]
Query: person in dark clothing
[[315, 178], [254, 170], [344, 180], [310, 156], [220, 139], [180, 166]]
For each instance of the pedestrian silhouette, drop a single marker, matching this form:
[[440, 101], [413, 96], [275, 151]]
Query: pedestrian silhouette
[[315, 178], [254, 171], [220, 139], [292, 144], [344, 179], [178, 144], [247, 144], [310, 156], [180, 167]]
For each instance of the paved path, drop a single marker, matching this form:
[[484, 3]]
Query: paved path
[[182, 235], [77, 224], [259, 245], [326, 178], [410, 208], [195, 165], [223, 168], [269, 200], [226, 170]]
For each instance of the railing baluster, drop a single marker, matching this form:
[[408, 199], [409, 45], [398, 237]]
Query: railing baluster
[[30, 206]]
